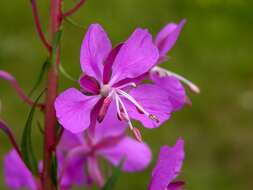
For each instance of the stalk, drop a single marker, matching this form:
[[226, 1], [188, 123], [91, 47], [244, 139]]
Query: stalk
[[52, 86]]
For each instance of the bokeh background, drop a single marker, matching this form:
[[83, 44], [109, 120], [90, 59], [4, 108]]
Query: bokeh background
[[214, 50]]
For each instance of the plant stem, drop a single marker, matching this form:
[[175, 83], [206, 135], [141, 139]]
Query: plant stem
[[52, 85], [74, 9], [8, 132], [38, 25]]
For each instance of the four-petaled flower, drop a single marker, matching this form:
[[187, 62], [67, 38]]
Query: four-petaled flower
[[168, 80], [168, 167], [113, 75], [111, 95], [109, 142], [18, 176]]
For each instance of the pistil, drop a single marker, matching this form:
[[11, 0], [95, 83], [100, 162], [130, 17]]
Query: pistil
[[163, 72]]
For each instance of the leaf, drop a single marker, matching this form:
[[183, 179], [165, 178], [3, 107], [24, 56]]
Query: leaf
[[40, 128], [64, 73], [55, 44], [26, 142], [54, 166], [43, 70], [110, 184]]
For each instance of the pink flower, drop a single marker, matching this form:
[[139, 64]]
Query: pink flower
[[110, 143], [18, 176], [170, 81], [111, 75], [167, 168]]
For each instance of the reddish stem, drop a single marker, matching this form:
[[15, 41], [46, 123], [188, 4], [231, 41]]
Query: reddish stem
[[74, 9], [13, 82], [38, 25], [52, 85], [11, 137]]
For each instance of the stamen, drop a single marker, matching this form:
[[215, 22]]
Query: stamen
[[123, 116], [124, 111], [153, 117], [131, 99], [104, 108], [188, 101], [138, 106], [193, 87], [119, 113], [131, 84], [137, 134]]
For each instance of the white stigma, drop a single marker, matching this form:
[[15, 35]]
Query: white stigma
[[163, 72]]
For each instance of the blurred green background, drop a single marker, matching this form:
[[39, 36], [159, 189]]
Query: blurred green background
[[214, 50]]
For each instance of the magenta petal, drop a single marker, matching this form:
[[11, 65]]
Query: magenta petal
[[167, 37], [95, 172], [154, 100], [175, 90], [109, 62], [73, 173], [137, 155], [89, 84], [168, 166], [111, 125], [70, 140], [95, 49], [136, 56], [16, 174], [73, 109], [177, 185]]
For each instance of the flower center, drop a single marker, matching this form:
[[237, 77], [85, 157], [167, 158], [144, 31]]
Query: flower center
[[105, 89]]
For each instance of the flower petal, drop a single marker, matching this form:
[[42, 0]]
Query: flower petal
[[175, 90], [177, 185], [137, 56], [72, 174], [154, 100], [109, 62], [111, 125], [70, 140], [137, 155], [16, 174], [95, 172], [73, 110], [89, 84], [95, 48], [168, 166], [167, 37]]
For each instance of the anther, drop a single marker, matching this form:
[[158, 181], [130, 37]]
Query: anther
[[137, 134], [104, 109], [122, 116], [153, 117]]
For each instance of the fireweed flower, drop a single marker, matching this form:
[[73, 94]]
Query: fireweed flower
[[170, 81], [109, 142], [18, 176], [110, 75], [168, 167]]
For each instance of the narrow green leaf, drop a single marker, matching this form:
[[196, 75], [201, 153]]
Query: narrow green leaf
[[26, 143], [74, 23], [55, 44], [43, 70], [40, 128], [65, 73], [110, 184], [54, 166]]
